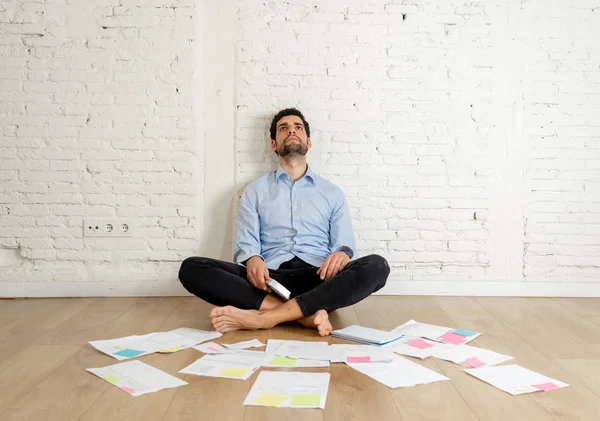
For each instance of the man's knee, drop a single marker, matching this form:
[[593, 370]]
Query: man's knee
[[378, 270], [191, 268]]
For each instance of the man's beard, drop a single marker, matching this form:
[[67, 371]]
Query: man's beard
[[292, 149]]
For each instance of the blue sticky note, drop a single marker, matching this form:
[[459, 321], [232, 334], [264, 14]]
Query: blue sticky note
[[464, 332], [128, 353]]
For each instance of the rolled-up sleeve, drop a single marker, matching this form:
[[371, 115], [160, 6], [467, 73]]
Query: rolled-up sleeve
[[248, 228], [341, 236]]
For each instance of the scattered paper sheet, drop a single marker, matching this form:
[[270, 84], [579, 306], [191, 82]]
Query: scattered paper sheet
[[302, 349], [277, 361], [366, 335], [136, 377], [289, 390], [515, 379], [138, 345], [341, 353], [436, 333], [231, 366], [470, 356], [254, 343], [212, 348], [400, 372], [416, 347]]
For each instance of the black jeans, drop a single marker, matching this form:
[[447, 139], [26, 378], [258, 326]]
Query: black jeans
[[223, 283]]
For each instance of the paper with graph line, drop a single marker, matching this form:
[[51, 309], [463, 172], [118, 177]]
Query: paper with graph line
[[289, 390], [470, 356], [236, 365], [400, 372], [136, 377], [515, 379]]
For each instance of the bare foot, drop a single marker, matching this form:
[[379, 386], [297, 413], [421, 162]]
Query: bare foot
[[229, 319], [320, 321]]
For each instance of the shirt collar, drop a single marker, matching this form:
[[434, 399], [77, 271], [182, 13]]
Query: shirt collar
[[310, 175]]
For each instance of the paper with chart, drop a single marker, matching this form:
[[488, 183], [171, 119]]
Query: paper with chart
[[470, 356], [515, 379], [416, 347], [400, 372], [342, 353], [436, 333], [136, 377], [303, 350], [366, 335], [254, 343], [212, 348], [273, 360], [236, 365], [289, 390], [138, 345]]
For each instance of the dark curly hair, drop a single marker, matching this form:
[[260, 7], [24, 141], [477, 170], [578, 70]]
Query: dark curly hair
[[285, 113]]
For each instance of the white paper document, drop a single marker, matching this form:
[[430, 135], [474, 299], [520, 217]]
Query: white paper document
[[366, 335], [236, 365], [289, 390], [444, 334], [515, 379], [470, 356], [138, 345], [212, 348], [254, 343], [342, 353], [136, 377], [273, 360], [400, 372], [416, 347], [304, 350]]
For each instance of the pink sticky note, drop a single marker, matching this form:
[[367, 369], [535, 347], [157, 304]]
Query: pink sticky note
[[474, 362], [453, 338], [366, 359], [128, 389], [546, 386], [419, 343], [214, 349]]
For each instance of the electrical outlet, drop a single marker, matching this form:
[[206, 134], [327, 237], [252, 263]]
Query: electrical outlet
[[107, 228]]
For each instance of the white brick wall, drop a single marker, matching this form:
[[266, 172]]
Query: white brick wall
[[462, 133], [96, 119]]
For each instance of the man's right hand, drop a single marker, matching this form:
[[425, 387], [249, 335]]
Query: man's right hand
[[258, 273]]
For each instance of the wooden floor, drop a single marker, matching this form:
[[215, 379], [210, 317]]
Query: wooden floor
[[44, 353]]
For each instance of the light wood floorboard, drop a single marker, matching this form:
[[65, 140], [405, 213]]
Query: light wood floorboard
[[44, 352]]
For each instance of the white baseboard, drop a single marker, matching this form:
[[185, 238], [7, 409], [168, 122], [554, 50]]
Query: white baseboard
[[492, 288], [393, 287]]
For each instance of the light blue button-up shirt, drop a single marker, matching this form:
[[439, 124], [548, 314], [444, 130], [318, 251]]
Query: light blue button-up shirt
[[279, 219]]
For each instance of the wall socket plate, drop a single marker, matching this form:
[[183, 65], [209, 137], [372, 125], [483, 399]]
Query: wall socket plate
[[109, 227]]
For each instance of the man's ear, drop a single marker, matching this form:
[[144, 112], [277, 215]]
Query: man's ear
[[273, 145], [308, 142]]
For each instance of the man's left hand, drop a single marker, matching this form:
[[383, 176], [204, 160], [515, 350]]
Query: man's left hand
[[333, 265]]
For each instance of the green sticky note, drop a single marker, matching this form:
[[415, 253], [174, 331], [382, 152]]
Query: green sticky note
[[238, 373], [270, 399], [289, 362], [306, 400], [111, 378]]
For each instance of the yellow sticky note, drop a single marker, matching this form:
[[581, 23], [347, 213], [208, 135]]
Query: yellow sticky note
[[236, 372], [523, 389], [270, 399], [170, 350], [306, 400], [290, 362], [119, 348], [111, 378]]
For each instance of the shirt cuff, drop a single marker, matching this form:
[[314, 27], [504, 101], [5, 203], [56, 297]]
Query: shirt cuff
[[346, 250], [242, 256]]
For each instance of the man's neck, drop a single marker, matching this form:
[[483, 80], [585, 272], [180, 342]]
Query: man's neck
[[295, 167]]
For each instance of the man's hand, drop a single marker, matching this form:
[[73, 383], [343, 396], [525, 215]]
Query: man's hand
[[333, 265], [258, 273]]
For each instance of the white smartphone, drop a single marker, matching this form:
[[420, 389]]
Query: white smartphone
[[279, 289]]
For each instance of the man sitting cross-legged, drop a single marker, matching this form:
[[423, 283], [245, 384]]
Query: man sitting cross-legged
[[295, 227]]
